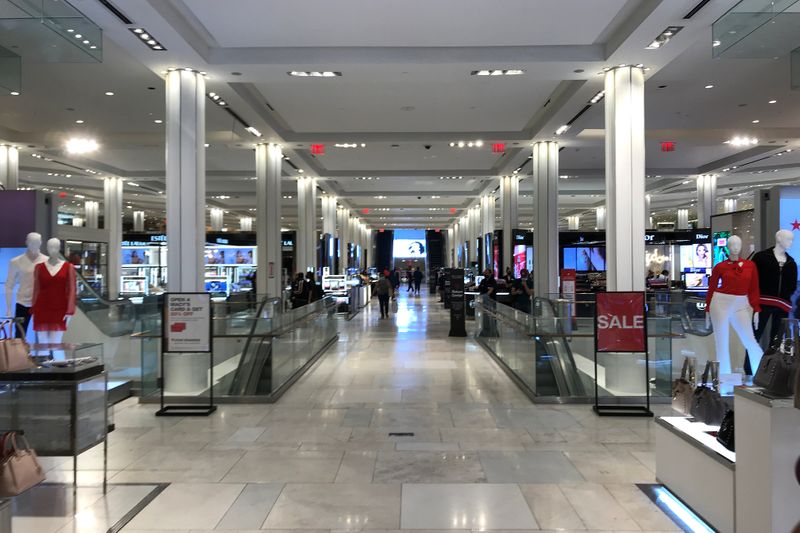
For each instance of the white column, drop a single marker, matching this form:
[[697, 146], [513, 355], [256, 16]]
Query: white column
[[601, 218], [245, 224], [545, 225], [474, 232], [683, 219], [91, 211], [457, 244], [573, 222], [186, 180], [509, 202], [329, 215], [648, 220], [706, 199], [112, 217], [306, 247], [9, 167], [731, 205], [448, 260], [138, 221], [341, 233], [269, 160], [625, 172], [216, 216]]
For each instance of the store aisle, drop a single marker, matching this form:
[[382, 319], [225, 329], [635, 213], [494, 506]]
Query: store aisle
[[398, 427]]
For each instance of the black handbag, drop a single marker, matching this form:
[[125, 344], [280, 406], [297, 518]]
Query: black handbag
[[683, 387], [777, 369], [726, 434], [707, 405]]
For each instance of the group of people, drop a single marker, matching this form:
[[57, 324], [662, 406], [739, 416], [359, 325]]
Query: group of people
[[305, 289], [389, 283], [521, 288]]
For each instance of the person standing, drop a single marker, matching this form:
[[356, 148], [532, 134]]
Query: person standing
[[417, 280], [384, 289], [410, 277], [395, 279], [522, 291], [299, 291], [488, 284], [314, 290]]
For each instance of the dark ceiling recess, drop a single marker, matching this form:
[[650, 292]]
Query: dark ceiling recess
[[696, 8], [115, 10]]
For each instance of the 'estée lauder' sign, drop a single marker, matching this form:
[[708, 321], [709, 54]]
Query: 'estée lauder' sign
[[620, 322]]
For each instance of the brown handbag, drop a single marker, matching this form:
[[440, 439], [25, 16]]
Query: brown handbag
[[19, 468], [14, 353], [683, 388]]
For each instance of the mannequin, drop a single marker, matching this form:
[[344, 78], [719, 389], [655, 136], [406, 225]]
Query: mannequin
[[20, 272], [54, 291], [777, 280], [732, 305]]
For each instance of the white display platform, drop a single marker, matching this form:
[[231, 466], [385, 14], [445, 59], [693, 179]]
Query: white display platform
[[697, 469], [768, 448]]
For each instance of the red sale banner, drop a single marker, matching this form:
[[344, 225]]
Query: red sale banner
[[620, 322]]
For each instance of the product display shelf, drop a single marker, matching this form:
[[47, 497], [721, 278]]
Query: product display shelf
[[697, 469], [62, 410], [768, 449]]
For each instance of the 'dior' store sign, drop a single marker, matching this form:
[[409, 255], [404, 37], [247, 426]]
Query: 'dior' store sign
[[621, 323]]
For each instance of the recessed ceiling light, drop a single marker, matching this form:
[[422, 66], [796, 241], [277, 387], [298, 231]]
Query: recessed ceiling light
[[664, 37], [772, 102], [147, 39], [756, 121], [81, 146], [158, 121], [562, 129], [498, 72], [14, 93], [314, 74], [109, 93], [709, 86], [78, 122]]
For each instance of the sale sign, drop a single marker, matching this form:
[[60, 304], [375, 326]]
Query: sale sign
[[620, 322]]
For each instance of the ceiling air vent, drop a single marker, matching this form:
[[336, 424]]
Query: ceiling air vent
[[695, 9], [116, 12]]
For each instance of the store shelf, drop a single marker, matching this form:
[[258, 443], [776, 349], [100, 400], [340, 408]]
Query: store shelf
[[699, 435]]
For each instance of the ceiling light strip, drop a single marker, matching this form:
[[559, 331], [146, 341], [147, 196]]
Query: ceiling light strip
[[145, 37]]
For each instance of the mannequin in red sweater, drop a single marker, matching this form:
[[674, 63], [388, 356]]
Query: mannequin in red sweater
[[734, 303]]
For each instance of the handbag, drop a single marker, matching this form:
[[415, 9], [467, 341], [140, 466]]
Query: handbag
[[19, 468], [725, 435], [394, 305], [683, 388], [707, 405], [777, 369], [14, 353]]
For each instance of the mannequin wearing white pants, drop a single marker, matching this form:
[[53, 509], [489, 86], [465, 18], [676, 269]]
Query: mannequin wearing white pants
[[733, 310]]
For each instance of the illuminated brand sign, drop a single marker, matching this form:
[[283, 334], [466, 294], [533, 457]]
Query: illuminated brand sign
[[620, 322]]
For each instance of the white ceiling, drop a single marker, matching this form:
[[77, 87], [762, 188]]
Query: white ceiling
[[301, 23]]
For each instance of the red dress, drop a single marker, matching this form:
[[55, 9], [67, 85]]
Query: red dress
[[53, 297]]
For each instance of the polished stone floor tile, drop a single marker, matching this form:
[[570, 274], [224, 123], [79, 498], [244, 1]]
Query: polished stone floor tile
[[357, 467], [336, 506], [188, 506], [460, 506], [285, 467], [597, 508], [419, 418], [551, 508], [528, 467], [608, 467], [251, 507], [428, 467]]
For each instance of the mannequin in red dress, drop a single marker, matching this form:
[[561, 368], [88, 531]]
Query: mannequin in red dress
[[54, 288]]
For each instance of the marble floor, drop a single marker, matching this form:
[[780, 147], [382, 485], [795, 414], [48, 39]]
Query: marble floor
[[397, 427]]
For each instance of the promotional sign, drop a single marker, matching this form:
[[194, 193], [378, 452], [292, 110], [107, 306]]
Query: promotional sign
[[457, 304], [187, 322], [620, 322], [568, 278]]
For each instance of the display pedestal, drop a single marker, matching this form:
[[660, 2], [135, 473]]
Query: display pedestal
[[697, 469], [768, 447]]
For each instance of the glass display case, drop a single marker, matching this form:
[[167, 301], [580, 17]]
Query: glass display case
[[61, 405]]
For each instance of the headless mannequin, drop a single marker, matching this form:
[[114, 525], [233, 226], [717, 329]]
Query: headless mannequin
[[728, 310], [777, 273], [53, 265], [20, 277]]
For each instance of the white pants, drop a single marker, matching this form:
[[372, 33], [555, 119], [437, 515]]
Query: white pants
[[728, 310]]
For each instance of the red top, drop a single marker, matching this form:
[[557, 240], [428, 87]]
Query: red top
[[739, 278], [53, 297]]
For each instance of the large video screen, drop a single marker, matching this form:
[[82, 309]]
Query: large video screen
[[695, 256], [409, 244], [229, 255], [585, 259]]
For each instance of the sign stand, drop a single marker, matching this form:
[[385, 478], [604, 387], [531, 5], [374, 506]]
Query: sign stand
[[447, 280], [458, 310], [186, 328], [620, 320]]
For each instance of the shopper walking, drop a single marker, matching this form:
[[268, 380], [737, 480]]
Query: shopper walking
[[410, 278], [299, 291], [384, 289], [418, 276], [395, 280]]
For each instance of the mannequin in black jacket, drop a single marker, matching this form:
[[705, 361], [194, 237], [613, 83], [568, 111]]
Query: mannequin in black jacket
[[777, 279]]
